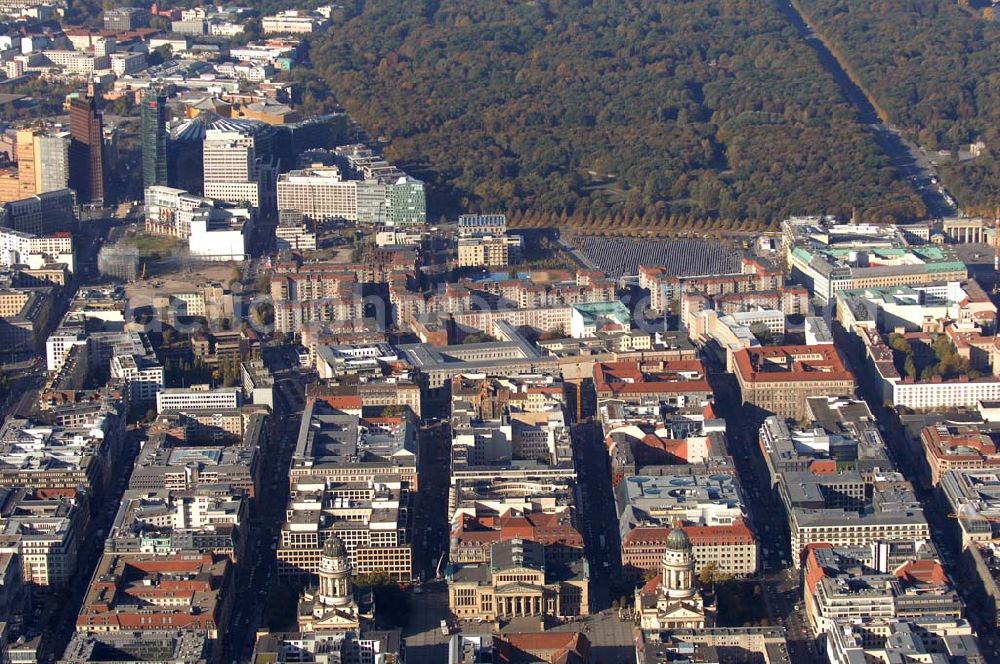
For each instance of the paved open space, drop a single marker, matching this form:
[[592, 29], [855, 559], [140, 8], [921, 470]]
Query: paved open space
[[612, 639], [425, 643]]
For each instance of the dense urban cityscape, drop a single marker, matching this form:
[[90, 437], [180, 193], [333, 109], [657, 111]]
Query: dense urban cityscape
[[267, 395]]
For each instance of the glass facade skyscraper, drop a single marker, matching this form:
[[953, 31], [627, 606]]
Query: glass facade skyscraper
[[86, 151], [154, 138]]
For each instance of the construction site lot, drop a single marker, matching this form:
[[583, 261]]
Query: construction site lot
[[194, 278]]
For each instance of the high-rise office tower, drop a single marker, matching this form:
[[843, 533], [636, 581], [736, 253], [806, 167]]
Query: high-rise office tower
[[237, 164], [86, 158], [27, 169], [154, 138], [51, 161], [185, 161]]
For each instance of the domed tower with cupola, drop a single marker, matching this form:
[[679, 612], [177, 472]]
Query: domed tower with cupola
[[671, 600], [677, 578], [330, 605], [335, 574]]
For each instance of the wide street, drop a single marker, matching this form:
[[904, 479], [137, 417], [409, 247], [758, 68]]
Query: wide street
[[907, 158], [597, 514], [55, 616], [425, 643], [943, 532], [259, 592], [612, 638], [431, 527], [780, 582]]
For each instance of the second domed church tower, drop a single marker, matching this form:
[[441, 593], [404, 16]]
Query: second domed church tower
[[335, 574], [677, 578], [330, 605], [671, 600]]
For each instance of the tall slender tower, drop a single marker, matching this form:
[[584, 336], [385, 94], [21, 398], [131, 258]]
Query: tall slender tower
[[676, 602], [86, 158], [154, 138]]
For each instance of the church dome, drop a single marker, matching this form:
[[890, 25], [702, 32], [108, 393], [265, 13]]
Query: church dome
[[334, 547], [678, 540]]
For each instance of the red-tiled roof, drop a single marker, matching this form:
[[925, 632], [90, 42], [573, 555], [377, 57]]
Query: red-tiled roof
[[552, 647], [928, 572], [624, 378], [542, 527], [814, 572], [823, 467], [699, 535], [791, 364], [348, 402]]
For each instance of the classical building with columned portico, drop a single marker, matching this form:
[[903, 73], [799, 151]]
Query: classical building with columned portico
[[519, 581]]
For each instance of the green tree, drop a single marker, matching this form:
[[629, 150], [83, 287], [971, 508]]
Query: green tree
[[899, 342], [394, 410], [263, 282], [521, 126], [227, 374], [392, 604], [934, 94], [558, 333], [708, 573], [159, 55], [264, 314], [763, 333]]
